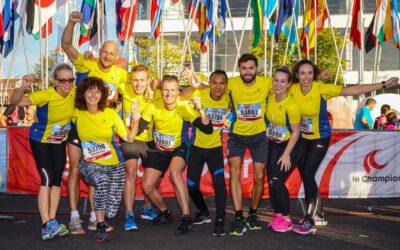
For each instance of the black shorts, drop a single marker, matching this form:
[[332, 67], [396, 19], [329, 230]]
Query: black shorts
[[160, 160], [137, 149], [73, 137], [258, 146]]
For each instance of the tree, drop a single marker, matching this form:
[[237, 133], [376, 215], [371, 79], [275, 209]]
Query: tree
[[52, 64], [327, 59]]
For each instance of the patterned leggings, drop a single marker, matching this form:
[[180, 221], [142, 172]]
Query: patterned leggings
[[109, 185]]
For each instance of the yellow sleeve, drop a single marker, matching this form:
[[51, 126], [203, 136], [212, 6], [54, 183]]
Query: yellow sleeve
[[124, 78], [83, 65], [119, 125], [40, 96], [330, 90], [190, 114], [148, 112]]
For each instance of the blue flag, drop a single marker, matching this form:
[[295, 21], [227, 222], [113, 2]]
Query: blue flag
[[9, 17], [285, 11]]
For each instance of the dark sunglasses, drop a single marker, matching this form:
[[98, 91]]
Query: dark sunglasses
[[66, 81]]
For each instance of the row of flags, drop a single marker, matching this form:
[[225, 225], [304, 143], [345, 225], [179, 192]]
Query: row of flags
[[282, 16]]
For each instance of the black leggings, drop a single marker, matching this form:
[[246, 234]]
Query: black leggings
[[278, 193], [215, 161], [50, 160], [314, 152]]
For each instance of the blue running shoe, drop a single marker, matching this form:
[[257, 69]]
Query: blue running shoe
[[130, 223], [57, 229], [148, 213], [47, 233]]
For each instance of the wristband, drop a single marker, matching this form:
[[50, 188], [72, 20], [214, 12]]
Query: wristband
[[383, 84]]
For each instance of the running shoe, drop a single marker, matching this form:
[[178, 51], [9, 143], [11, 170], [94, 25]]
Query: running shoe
[[320, 219], [185, 226], [130, 223], [275, 220], [219, 229], [306, 226], [253, 223], [283, 225], [163, 218], [238, 227], [47, 233], [57, 229], [75, 226], [148, 213], [101, 233], [202, 218], [93, 226]]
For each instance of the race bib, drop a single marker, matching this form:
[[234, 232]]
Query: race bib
[[163, 142], [58, 133], [217, 117], [249, 112], [306, 126], [96, 151], [112, 90], [128, 119], [276, 133]]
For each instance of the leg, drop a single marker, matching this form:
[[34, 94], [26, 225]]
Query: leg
[[149, 185], [74, 154], [175, 173], [130, 184], [234, 181], [58, 156], [258, 188], [195, 167], [116, 175]]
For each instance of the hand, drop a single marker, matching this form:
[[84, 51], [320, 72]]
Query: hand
[[27, 80], [154, 84], [284, 160], [195, 81], [135, 107], [392, 82], [75, 17], [89, 55], [197, 103], [186, 74], [135, 116]]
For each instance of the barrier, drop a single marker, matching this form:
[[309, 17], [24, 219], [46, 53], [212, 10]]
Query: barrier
[[359, 164]]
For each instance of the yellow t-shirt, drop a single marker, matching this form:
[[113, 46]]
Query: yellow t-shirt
[[97, 133], [313, 108], [248, 105], [279, 117], [217, 111], [115, 78], [170, 126], [53, 115]]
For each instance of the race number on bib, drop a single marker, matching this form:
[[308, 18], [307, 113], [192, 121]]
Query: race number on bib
[[112, 90], [96, 151], [276, 133], [164, 142], [249, 112], [306, 126], [217, 117], [58, 133]]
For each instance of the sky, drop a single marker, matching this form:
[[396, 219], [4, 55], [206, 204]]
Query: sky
[[33, 47]]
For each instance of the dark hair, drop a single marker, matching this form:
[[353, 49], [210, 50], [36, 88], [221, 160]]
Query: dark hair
[[247, 57], [286, 71], [370, 101], [88, 83], [62, 66], [391, 118], [296, 68], [219, 72], [385, 108], [169, 78]]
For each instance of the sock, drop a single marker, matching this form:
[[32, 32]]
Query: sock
[[92, 216], [166, 211], [239, 214], [74, 214], [253, 211]]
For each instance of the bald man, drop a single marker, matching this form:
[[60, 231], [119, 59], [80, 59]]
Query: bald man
[[115, 78]]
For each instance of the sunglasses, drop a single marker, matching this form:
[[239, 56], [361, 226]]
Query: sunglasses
[[66, 81]]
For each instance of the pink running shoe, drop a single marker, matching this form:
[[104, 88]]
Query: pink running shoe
[[283, 225], [275, 220], [306, 226]]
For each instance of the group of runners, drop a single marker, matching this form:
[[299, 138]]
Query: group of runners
[[282, 120]]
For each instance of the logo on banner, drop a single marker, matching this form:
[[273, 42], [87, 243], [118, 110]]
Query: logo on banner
[[369, 161]]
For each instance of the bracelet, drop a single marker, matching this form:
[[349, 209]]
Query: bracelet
[[383, 84]]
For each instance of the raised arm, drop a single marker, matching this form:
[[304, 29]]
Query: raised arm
[[66, 40], [366, 88], [203, 122], [195, 83], [18, 97]]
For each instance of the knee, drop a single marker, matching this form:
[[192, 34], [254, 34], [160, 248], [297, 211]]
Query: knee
[[147, 187], [234, 173], [130, 172], [175, 175], [73, 172], [275, 185], [259, 177]]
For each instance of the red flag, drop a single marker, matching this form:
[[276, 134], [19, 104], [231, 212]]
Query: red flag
[[355, 29], [1, 25], [124, 14]]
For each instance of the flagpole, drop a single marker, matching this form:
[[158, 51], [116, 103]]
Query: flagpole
[[158, 58], [344, 43], [98, 23], [288, 38], [215, 17], [41, 44], [241, 37], [307, 45], [1, 75], [296, 26], [361, 52], [271, 59], [46, 80], [162, 41], [265, 38], [25, 50], [233, 28], [186, 41], [129, 25], [315, 31]]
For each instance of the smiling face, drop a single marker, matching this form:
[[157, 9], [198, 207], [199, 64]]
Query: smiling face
[[248, 71], [217, 86], [139, 82], [169, 91], [306, 75], [281, 83], [108, 54], [64, 81], [92, 96]]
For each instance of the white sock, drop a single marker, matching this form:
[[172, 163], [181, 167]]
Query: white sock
[[92, 216], [74, 214]]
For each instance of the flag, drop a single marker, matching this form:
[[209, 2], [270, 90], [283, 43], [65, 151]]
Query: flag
[[376, 31], [256, 5], [270, 12], [157, 8], [285, 11], [9, 16], [123, 12], [356, 24], [394, 17], [310, 21], [201, 21], [47, 9], [1, 25], [292, 36], [60, 52]]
